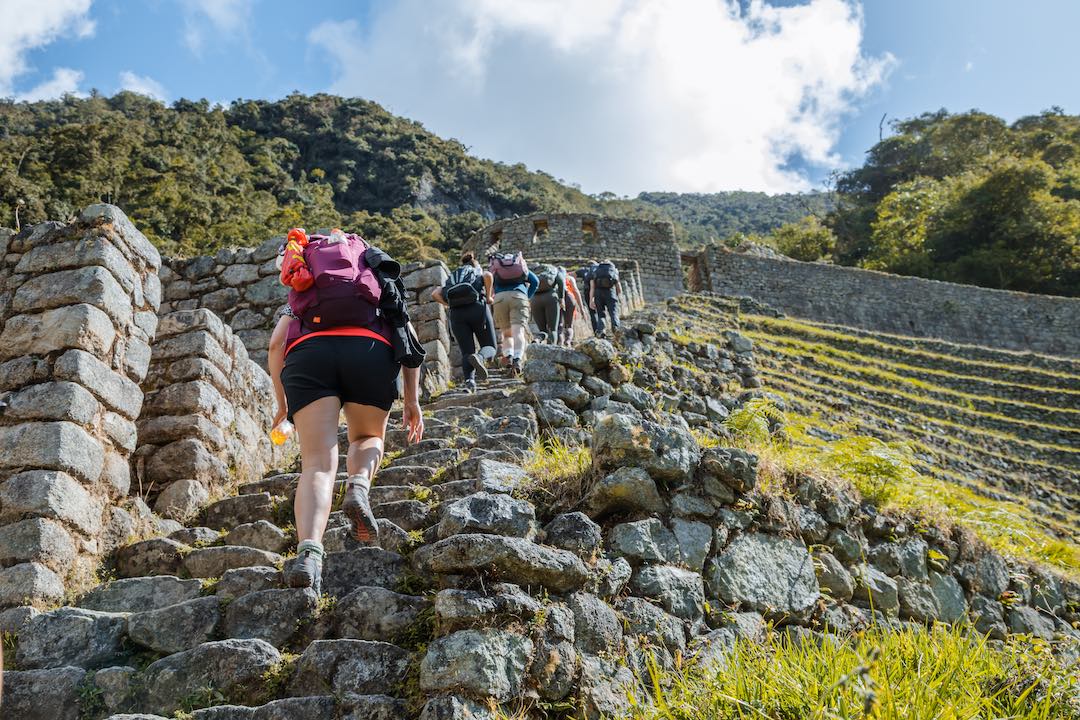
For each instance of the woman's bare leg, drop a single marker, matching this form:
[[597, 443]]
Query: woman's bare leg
[[367, 428], [367, 425], [317, 429]]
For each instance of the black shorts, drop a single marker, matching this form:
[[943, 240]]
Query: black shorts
[[353, 369]]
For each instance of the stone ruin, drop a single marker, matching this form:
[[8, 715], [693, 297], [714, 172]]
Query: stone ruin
[[78, 306], [490, 589]]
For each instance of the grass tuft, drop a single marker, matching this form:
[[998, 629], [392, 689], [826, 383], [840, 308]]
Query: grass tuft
[[915, 672], [559, 473]]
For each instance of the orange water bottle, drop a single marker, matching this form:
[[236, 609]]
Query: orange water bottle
[[281, 433]]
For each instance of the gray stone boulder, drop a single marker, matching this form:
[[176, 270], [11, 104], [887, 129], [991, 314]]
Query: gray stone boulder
[[177, 627], [680, 592], [695, 539], [556, 354], [29, 583], [51, 694], [833, 577], [604, 686], [504, 603], [601, 352], [343, 667], [644, 541], [452, 707], [212, 562], [556, 414], [261, 534], [643, 619], [485, 662], [875, 589], [494, 513], [37, 540], [611, 576], [988, 616], [509, 559], [241, 581], [275, 616], [233, 668], [141, 594], [347, 570], [988, 575], [597, 626], [49, 494], [733, 468], [628, 489], [666, 452], [157, 556], [182, 499], [766, 573], [574, 532], [575, 396], [554, 669], [374, 613], [1026, 620], [72, 636], [491, 475]]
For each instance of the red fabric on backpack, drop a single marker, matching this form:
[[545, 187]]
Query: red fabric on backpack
[[294, 269]]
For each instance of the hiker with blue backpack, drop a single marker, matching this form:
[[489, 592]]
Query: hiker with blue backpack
[[546, 304], [514, 286], [469, 294], [341, 343], [605, 291]]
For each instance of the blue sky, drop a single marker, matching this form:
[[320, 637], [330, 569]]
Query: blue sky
[[622, 95]]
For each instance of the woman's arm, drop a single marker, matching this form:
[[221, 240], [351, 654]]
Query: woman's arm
[[275, 360], [489, 287], [411, 414], [437, 296]]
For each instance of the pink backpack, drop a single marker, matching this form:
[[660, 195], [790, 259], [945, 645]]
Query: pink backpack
[[510, 268], [346, 291]]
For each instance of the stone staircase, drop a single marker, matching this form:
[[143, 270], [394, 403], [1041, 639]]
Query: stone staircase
[[201, 616], [479, 601]]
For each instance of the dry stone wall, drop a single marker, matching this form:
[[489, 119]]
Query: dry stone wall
[[543, 236], [207, 412], [241, 286], [904, 305], [78, 311]]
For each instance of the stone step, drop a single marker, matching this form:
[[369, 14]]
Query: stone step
[[239, 509]]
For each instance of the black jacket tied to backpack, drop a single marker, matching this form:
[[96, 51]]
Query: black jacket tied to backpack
[[393, 310]]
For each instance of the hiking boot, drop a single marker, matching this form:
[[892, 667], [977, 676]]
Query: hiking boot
[[515, 367], [470, 386], [306, 570], [479, 366], [357, 510]]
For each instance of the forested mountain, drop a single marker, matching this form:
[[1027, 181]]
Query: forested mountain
[[708, 217], [966, 197]]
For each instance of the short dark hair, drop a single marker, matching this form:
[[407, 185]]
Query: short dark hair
[[468, 258]]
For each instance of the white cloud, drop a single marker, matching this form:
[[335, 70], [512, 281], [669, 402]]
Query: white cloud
[[969, 66], [64, 81], [143, 85], [29, 24], [623, 95], [226, 17]]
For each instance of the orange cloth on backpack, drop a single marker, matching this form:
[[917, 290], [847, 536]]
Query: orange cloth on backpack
[[294, 269]]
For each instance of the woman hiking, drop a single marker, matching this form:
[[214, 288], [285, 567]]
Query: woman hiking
[[340, 345]]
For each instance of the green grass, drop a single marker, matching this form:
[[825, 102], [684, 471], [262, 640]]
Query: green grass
[[558, 473], [914, 673], [883, 472], [791, 346], [788, 327]]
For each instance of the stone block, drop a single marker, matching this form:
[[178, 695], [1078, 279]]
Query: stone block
[[486, 662], [37, 540], [360, 667], [72, 636], [93, 285], [29, 584], [51, 694], [53, 401], [114, 390], [81, 252], [140, 594], [185, 459], [61, 446], [50, 494], [177, 627], [83, 327]]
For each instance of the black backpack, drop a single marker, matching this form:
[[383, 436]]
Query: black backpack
[[606, 275], [460, 288], [548, 277]]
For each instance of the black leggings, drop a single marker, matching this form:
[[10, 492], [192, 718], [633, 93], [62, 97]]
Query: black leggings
[[545, 313], [468, 322]]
